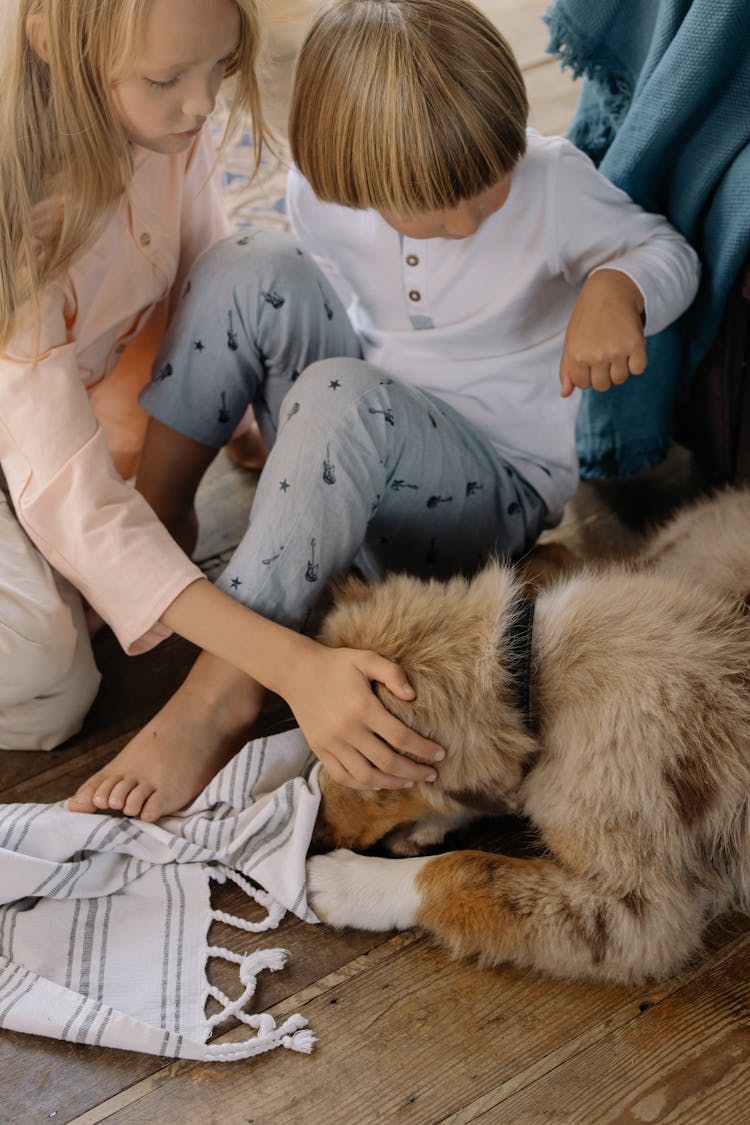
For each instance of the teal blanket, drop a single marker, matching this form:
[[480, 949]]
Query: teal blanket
[[665, 114]]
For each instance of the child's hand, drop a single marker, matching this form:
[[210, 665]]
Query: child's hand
[[605, 342], [347, 727]]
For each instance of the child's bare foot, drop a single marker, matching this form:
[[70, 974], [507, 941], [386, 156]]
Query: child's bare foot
[[175, 756]]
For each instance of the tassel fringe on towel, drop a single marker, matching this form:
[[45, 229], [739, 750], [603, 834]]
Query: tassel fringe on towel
[[104, 921]]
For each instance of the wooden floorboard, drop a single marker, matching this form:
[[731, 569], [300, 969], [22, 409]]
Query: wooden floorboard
[[404, 1031], [405, 1034], [683, 1059]]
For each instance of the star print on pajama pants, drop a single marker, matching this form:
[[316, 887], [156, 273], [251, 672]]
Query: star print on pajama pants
[[362, 469]]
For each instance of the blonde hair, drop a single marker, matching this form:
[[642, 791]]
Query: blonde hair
[[61, 136], [405, 106]]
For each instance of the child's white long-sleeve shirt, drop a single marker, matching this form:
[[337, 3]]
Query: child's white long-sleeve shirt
[[480, 322]]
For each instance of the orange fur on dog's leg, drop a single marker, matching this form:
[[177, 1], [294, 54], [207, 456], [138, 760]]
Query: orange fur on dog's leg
[[533, 914]]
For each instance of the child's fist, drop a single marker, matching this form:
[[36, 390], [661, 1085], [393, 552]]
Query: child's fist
[[605, 342]]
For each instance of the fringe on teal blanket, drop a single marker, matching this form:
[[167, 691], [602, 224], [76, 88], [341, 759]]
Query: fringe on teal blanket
[[605, 98], [665, 113]]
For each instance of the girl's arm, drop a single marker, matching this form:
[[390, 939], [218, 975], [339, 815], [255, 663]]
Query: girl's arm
[[210, 716], [329, 690]]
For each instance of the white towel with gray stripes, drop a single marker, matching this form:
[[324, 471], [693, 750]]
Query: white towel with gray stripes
[[104, 920]]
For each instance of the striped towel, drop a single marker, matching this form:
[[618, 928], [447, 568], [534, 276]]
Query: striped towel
[[104, 920]]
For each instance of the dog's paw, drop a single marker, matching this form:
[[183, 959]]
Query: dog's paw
[[364, 892]]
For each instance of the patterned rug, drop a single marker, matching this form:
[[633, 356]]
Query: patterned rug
[[258, 201]]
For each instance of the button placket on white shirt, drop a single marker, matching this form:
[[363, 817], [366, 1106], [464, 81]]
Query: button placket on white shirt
[[414, 276]]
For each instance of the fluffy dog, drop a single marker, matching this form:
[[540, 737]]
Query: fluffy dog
[[621, 731]]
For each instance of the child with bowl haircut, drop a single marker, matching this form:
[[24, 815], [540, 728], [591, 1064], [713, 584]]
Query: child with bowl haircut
[[488, 273]]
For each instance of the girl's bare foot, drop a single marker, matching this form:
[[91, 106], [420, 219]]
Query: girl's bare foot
[[175, 756]]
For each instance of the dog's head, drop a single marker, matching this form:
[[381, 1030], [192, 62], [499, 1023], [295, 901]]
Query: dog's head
[[448, 637]]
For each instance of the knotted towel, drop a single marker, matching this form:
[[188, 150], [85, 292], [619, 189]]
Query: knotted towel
[[104, 920], [665, 113]]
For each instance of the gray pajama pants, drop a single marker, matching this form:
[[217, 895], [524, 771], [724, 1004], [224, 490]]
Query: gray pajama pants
[[362, 467]]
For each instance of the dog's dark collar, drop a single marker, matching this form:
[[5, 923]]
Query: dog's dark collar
[[517, 655]]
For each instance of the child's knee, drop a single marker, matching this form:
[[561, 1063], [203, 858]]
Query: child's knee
[[346, 402], [254, 263], [334, 383], [345, 393]]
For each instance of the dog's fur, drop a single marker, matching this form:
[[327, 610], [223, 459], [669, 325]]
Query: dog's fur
[[636, 773]]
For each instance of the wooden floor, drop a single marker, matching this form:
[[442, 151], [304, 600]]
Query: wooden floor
[[404, 1033]]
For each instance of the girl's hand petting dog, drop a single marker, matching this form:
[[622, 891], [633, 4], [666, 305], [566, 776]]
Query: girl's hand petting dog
[[361, 744], [605, 342]]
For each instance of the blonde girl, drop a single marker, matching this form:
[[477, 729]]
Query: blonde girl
[[107, 197], [487, 271]]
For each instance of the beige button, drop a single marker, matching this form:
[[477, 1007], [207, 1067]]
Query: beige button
[[145, 239], [415, 295], [412, 260]]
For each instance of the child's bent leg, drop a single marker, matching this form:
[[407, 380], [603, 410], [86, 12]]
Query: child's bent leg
[[342, 433], [256, 311], [363, 460], [49, 678]]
